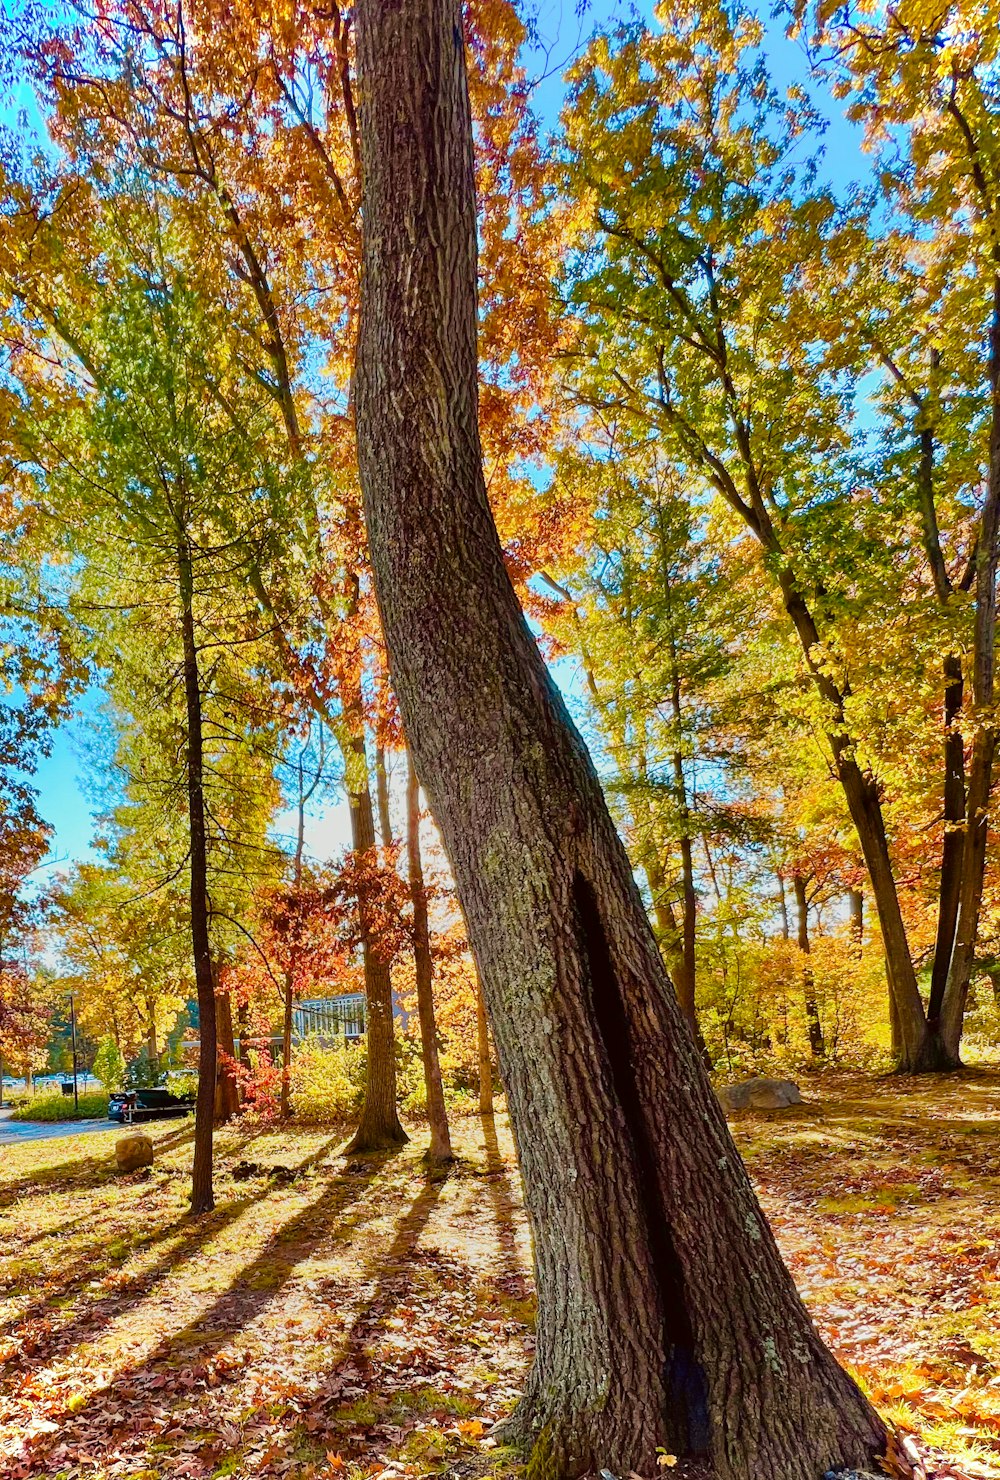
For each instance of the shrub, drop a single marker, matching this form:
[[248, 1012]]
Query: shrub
[[259, 1080], [109, 1064], [93, 1106], [327, 1082]]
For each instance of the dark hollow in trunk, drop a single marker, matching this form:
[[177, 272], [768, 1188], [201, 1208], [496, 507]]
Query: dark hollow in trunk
[[666, 1316]]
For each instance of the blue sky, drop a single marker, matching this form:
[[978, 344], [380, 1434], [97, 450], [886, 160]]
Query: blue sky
[[70, 781]]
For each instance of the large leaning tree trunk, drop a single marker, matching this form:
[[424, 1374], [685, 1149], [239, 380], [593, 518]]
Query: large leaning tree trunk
[[666, 1316]]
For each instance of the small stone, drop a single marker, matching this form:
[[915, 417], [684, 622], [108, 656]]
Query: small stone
[[133, 1152], [760, 1094]]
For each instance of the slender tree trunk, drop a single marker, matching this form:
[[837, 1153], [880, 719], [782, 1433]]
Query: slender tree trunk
[[485, 1060], [687, 984], [971, 893], [817, 1046], [202, 1197], [952, 851], [920, 1051], [671, 938], [856, 913], [437, 1115], [382, 792], [227, 1089], [783, 908], [242, 1024], [287, 1022], [665, 1314], [678, 944], [895, 1036], [992, 969], [151, 1045], [379, 1127], [974, 837], [917, 1050], [288, 985]]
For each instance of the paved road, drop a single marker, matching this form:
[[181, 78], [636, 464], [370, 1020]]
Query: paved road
[[13, 1132]]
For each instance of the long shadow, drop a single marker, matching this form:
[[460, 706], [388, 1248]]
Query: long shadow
[[169, 1142], [82, 1174], [257, 1285], [92, 1171], [96, 1171], [100, 1312], [502, 1198], [391, 1284]]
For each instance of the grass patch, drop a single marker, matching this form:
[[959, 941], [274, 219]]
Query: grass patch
[[93, 1106]]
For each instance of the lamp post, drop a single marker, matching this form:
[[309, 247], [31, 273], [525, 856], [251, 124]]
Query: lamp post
[[72, 1029]]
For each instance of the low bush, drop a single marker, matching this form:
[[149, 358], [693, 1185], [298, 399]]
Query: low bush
[[93, 1106], [327, 1081]]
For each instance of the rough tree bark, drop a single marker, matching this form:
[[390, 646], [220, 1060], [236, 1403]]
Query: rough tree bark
[[666, 1316], [437, 1115], [202, 1197]]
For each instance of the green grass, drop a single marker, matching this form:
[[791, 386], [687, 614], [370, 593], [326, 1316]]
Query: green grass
[[93, 1106]]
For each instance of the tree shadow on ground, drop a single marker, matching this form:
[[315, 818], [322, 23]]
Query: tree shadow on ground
[[106, 1165], [191, 1237], [81, 1175], [394, 1277], [504, 1203], [257, 1286]]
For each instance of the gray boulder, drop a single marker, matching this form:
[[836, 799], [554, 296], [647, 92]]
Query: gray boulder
[[133, 1152], [759, 1094]]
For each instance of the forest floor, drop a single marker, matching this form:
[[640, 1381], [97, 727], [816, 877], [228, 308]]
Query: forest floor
[[348, 1318]]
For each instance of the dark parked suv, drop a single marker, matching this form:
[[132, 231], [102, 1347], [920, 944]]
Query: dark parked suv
[[147, 1104]]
